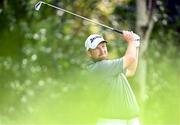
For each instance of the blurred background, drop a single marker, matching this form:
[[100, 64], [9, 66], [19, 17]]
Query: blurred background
[[42, 57]]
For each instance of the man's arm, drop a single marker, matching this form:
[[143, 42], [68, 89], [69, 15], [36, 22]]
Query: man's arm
[[131, 70], [130, 59]]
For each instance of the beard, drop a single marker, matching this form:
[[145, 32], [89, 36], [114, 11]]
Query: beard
[[100, 58]]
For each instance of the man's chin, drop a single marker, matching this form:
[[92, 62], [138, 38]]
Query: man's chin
[[102, 58]]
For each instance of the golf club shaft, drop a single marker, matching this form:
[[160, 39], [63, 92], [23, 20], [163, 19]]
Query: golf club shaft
[[103, 25]]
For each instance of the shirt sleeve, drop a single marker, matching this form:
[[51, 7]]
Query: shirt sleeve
[[110, 67]]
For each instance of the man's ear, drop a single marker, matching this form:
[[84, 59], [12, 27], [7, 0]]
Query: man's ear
[[88, 53]]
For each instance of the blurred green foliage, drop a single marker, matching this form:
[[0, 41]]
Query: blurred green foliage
[[42, 57]]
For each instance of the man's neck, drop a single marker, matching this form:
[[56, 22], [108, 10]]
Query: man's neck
[[97, 60]]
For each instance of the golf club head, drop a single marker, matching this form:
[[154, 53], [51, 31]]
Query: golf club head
[[38, 5]]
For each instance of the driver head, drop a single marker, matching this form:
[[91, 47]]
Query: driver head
[[38, 5]]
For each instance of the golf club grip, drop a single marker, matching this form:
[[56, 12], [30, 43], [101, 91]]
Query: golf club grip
[[118, 31]]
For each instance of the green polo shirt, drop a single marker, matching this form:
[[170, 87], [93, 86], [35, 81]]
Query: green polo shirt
[[118, 99]]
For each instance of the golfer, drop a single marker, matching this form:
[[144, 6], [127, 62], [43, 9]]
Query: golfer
[[120, 105]]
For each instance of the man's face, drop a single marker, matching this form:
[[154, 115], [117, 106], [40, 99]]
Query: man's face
[[100, 52]]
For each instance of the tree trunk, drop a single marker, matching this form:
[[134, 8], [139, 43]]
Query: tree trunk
[[141, 21], [144, 26]]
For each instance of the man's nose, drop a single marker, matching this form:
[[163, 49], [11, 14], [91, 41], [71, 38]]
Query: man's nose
[[101, 50]]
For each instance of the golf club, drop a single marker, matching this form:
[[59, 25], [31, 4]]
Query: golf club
[[38, 6]]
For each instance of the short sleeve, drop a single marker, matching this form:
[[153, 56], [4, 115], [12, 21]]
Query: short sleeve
[[109, 67]]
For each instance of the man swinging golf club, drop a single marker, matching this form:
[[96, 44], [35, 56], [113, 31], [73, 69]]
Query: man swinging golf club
[[121, 107]]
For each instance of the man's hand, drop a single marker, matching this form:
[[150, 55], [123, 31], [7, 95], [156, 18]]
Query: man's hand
[[131, 37]]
